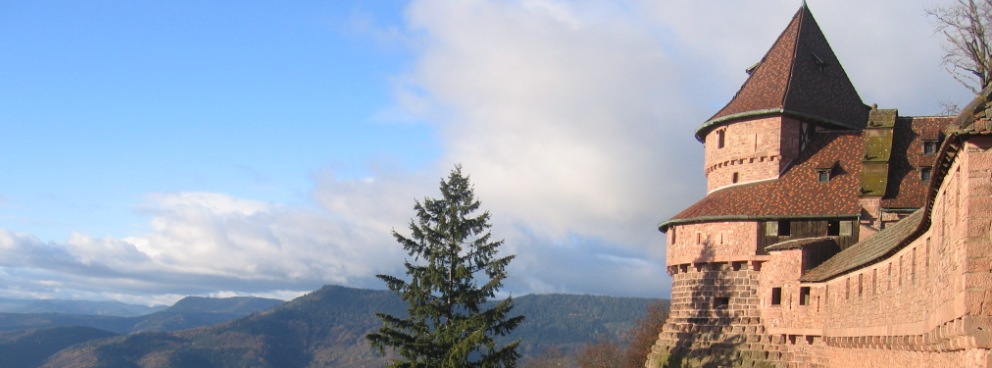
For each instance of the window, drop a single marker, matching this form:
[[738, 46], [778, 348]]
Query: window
[[823, 175], [721, 302], [784, 228], [833, 228], [720, 138], [776, 296], [874, 281], [734, 178], [912, 268], [925, 174], [771, 228], [929, 147], [846, 227], [804, 295], [861, 283]]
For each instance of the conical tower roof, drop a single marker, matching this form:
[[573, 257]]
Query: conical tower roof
[[800, 77]]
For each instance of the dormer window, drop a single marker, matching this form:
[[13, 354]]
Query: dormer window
[[823, 175], [720, 138], [824, 171], [925, 174], [820, 63], [929, 147]]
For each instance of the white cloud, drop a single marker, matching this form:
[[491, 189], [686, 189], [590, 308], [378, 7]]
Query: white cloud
[[574, 120], [200, 243], [559, 114]]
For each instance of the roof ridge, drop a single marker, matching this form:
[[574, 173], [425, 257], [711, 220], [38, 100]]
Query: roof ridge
[[813, 88], [798, 18]]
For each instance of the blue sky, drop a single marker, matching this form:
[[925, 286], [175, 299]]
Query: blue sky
[[152, 150], [109, 101]]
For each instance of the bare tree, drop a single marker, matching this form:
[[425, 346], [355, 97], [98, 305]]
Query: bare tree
[[644, 334], [604, 354], [966, 24]]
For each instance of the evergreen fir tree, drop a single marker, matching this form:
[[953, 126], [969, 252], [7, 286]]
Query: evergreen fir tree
[[453, 274]]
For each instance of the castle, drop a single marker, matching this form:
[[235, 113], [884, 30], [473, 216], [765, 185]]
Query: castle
[[832, 234]]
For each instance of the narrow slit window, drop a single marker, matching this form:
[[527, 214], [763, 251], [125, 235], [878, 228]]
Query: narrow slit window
[[861, 282], [735, 178], [720, 139], [804, 295], [776, 296]]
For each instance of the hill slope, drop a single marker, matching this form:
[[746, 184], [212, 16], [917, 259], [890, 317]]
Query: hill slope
[[30, 348], [85, 307], [187, 313], [327, 328]]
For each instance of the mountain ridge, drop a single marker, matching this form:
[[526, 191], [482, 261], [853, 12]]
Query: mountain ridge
[[327, 327]]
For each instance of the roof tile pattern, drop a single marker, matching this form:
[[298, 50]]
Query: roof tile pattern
[[797, 193], [906, 189], [975, 119], [799, 76]]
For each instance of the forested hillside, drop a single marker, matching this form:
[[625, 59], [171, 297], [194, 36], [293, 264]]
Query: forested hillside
[[327, 328]]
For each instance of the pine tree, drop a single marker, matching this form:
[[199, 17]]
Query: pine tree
[[449, 324]]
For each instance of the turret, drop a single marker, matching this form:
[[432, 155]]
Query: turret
[[797, 88]]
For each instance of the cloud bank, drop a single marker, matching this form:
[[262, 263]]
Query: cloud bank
[[574, 120]]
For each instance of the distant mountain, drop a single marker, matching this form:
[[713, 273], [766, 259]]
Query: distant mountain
[[193, 312], [30, 348], [189, 312], [83, 307], [326, 328]]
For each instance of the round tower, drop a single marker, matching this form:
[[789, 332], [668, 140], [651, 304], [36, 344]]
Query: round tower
[[715, 248]]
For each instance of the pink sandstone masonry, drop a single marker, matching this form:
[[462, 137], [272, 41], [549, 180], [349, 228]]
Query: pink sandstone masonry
[[712, 242], [751, 151], [927, 304]]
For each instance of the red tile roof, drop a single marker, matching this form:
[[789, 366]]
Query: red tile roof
[[799, 76], [797, 193], [905, 187], [975, 119]]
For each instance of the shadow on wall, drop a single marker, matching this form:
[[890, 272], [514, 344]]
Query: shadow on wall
[[713, 335]]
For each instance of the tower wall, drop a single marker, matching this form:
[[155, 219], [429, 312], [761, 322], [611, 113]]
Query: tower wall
[[714, 319], [711, 242], [752, 150]]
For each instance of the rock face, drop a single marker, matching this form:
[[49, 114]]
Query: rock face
[[829, 241]]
